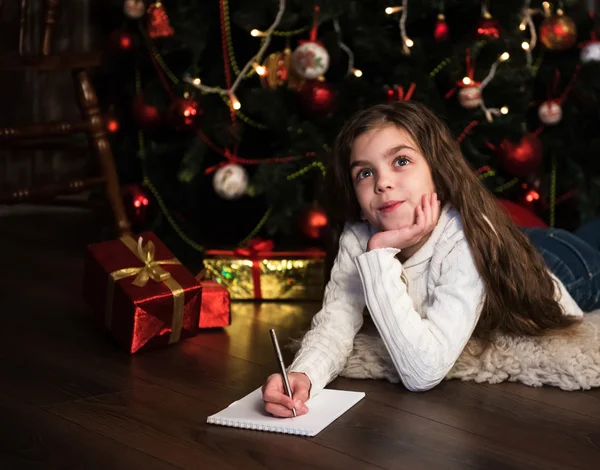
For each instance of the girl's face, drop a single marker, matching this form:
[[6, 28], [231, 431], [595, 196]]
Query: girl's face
[[390, 176]]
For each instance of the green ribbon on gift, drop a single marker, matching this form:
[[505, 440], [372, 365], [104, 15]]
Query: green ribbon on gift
[[151, 270]]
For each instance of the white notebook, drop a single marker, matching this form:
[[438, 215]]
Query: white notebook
[[249, 413]]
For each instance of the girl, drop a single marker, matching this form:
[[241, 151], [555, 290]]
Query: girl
[[429, 251]]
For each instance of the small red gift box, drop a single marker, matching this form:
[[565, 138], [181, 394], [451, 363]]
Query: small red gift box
[[216, 308], [142, 294]]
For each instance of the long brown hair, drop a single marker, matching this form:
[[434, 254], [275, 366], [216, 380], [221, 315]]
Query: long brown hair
[[519, 290]]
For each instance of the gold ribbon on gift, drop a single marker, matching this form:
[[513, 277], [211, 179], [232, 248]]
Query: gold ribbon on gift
[[150, 270]]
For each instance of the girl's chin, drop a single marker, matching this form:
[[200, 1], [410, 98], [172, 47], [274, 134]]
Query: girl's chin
[[397, 224]]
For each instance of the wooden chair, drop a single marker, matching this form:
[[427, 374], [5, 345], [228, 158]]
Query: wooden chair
[[40, 134]]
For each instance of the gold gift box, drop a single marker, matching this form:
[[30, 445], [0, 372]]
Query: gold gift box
[[268, 276]]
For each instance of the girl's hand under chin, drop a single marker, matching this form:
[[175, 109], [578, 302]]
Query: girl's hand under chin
[[427, 216]]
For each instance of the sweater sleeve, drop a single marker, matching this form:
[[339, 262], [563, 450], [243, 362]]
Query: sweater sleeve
[[326, 346], [423, 350]]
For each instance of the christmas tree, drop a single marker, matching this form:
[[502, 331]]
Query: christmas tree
[[222, 113]]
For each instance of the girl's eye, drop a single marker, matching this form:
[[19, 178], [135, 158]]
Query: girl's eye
[[401, 161], [364, 173]]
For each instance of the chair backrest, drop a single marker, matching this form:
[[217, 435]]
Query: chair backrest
[[50, 13]]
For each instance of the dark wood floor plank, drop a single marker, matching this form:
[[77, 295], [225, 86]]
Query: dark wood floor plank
[[586, 402], [34, 439], [166, 424], [571, 440], [42, 379], [397, 439]]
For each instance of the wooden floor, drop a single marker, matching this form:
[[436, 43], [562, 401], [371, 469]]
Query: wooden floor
[[70, 399]]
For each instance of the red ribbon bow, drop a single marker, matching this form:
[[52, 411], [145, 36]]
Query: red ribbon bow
[[256, 249], [470, 69], [314, 30], [397, 92]]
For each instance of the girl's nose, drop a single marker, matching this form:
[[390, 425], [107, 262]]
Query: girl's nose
[[383, 184]]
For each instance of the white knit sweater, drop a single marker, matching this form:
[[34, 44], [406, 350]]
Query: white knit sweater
[[425, 309]]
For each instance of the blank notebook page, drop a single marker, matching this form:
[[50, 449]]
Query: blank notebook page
[[249, 413]]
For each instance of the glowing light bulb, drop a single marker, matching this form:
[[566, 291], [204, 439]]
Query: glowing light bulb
[[256, 33], [392, 10], [357, 73], [504, 109], [409, 42], [525, 45], [260, 70], [196, 81], [505, 56], [466, 81], [235, 104]]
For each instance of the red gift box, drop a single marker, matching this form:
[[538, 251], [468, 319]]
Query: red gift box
[[142, 294], [216, 305]]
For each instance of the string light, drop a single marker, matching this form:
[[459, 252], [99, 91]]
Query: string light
[[504, 110], [347, 50], [392, 10], [235, 104], [260, 70], [490, 112], [527, 19], [466, 81], [407, 43]]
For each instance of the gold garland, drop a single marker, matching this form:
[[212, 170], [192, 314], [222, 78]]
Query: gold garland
[[439, 67], [256, 229], [306, 169], [507, 185]]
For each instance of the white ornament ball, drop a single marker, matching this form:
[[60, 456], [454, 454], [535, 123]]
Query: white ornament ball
[[590, 52], [550, 113], [134, 9], [231, 181], [310, 60], [469, 97]]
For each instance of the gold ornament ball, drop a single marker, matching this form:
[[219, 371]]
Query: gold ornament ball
[[279, 71], [558, 33]]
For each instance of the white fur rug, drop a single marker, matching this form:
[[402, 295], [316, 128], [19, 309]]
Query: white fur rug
[[568, 362]]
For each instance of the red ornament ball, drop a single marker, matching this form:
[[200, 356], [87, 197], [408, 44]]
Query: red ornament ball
[[521, 158], [313, 223], [558, 33], [145, 115], [441, 32], [183, 112], [317, 98], [488, 28]]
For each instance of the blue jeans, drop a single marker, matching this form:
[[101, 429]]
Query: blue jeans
[[574, 259]]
